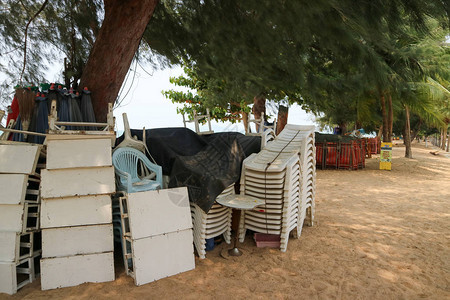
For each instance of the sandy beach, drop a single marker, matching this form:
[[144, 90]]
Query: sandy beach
[[377, 235]]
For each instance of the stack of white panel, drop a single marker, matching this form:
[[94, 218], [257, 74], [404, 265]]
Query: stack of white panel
[[275, 179], [214, 223], [157, 234], [19, 215], [283, 175], [77, 233]]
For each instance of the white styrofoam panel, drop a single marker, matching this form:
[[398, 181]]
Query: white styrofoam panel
[[8, 278], [78, 153], [77, 182], [157, 212], [69, 241], [9, 246], [75, 211], [11, 217], [12, 187], [162, 256], [67, 271], [19, 159]]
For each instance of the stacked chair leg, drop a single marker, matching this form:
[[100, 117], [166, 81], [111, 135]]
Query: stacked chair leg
[[20, 237], [212, 224]]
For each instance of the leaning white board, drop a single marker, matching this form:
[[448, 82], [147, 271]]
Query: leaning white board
[[69, 241], [8, 278], [78, 153], [19, 159], [77, 182], [11, 217], [157, 212], [9, 246], [74, 270], [13, 188], [75, 211], [162, 256]]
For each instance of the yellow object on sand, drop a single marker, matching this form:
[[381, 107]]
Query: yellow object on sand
[[386, 156]]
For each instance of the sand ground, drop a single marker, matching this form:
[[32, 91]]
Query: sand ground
[[378, 235]]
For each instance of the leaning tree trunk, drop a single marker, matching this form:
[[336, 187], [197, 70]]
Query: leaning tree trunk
[[113, 50], [385, 120], [407, 137], [390, 117], [282, 118], [259, 107]]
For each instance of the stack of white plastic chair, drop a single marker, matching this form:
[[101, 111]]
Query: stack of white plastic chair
[[273, 177], [20, 246], [283, 175], [212, 224], [301, 138]]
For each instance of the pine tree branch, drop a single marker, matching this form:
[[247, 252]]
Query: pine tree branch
[[25, 8], [10, 51], [26, 36]]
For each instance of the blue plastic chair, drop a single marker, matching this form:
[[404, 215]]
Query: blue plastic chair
[[126, 163]]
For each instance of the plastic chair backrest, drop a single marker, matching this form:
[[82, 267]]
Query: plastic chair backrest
[[127, 160]]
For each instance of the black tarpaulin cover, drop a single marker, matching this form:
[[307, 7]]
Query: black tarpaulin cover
[[204, 164]]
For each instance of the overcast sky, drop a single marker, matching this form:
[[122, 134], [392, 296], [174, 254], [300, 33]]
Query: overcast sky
[[146, 106]]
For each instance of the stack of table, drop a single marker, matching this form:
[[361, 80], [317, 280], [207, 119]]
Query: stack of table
[[77, 233], [212, 224], [19, 215], [283, 175]]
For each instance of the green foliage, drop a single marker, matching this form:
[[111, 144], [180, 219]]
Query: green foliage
[[199, 101], [64, 29], [331, 57]]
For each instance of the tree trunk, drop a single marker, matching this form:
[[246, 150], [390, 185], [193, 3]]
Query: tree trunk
[[390, 117], [416, 132], [245, 120], [343, 127], [259, 106], [380, 132], [282, 118], [113, 50], [407, 137], [385, 120], [448, 143], [444, 136]]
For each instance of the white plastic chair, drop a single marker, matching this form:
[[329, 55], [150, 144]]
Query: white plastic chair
[[196, 123], [212, 224]]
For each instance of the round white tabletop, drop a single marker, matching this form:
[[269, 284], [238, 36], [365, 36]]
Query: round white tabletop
[[244, 202]]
